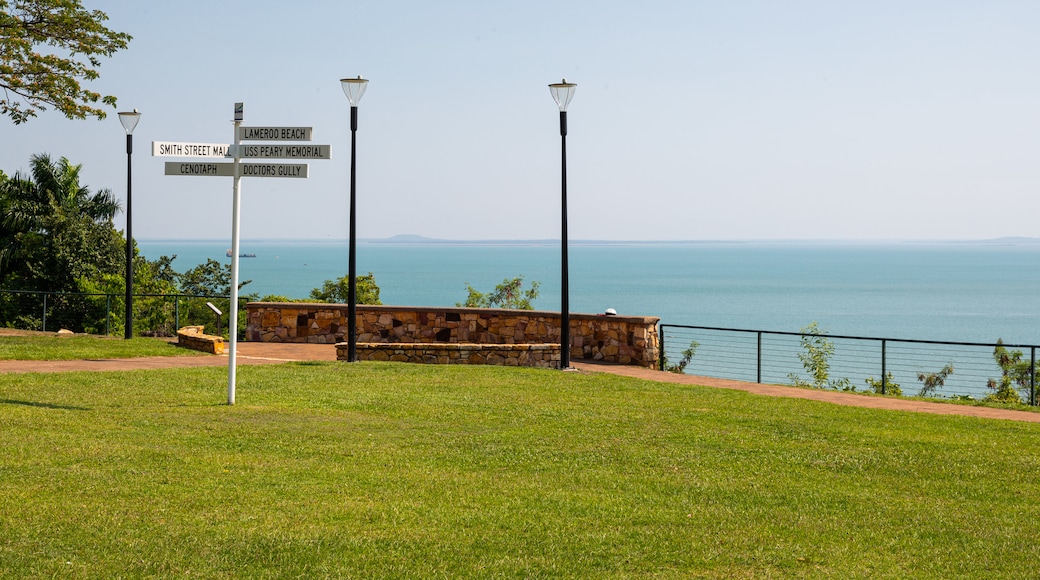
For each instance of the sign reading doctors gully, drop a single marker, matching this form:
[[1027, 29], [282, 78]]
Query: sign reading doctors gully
[[237, 170]]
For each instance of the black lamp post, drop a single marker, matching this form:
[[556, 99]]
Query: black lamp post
[[562, 93], [354, 89], [129, 121]]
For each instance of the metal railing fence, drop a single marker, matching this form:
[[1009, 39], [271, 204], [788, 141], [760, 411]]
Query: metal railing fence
[[772, 357], [104, 313]]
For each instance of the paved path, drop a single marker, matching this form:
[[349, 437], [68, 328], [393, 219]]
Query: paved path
[[836, 397], [256, 353]]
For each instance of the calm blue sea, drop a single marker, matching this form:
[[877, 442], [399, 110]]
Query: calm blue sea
[[974, 292]]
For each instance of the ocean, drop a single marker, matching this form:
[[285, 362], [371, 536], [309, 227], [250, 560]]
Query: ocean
[[972, 292]]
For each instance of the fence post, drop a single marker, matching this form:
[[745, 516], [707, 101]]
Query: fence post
[[884, 369], [1032, 375], [660, 346], [108, 314], [44, 312], [758, 366]]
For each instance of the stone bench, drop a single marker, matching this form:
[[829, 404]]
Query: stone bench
[[193, 337], [510, 355]]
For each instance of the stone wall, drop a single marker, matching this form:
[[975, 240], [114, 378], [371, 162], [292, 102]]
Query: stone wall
[[509, 355], [619, 339]]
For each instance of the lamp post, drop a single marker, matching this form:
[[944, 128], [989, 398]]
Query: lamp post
[[354, 89], [562, 92], [129, 121]]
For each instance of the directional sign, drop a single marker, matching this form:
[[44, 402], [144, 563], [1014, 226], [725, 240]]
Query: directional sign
[[285, 151], [274, 133], [228, 169], [274, 170], [174, 149], [207, 169]]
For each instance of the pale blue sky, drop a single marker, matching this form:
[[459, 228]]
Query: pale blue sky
[[692, 120]]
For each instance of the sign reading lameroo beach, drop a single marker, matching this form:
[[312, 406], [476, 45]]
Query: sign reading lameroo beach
[[274, 133]]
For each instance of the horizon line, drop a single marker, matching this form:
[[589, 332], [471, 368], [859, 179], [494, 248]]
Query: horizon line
[[415, 239]]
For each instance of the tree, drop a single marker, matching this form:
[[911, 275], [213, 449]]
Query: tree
[[153, 311], [508, 294], [687, 356], [56, 235], [47, 47], [338, 291], [1014, 374], [815, 357], [53, 230], [209, 279], [931, 382], [891, 387]]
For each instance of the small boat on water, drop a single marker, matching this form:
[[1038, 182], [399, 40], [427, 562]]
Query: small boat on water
[[229, 254]]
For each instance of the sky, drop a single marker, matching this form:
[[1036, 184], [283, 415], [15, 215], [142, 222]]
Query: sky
[[692, 120]]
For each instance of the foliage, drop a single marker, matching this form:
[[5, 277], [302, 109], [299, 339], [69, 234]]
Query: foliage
[[54, 230], [338, 291], [209, 279], [931, 382], [47, 47], [509, 294], [1014, 374], [455, 471], [891, 387], [153, 312], [687, 356], [815, 357], [56, 235]]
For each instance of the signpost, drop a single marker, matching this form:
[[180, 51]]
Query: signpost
[[237, 170]]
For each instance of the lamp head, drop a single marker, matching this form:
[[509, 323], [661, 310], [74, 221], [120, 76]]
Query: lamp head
[[129, 120], [354, 89], [562, 93]]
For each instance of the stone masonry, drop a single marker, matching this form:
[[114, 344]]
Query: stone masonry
[[619, 339], [509, 355]]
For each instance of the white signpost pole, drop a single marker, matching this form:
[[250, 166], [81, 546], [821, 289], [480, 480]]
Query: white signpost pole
[[235, 215]]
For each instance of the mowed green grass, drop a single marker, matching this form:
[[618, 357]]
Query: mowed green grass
[[373, 470], [84, 346]]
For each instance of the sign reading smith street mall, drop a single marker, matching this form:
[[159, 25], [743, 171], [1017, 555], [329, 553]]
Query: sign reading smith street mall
[[172, 149]]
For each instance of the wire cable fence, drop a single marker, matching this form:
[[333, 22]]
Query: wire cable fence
[[104, 314], [895, 366]]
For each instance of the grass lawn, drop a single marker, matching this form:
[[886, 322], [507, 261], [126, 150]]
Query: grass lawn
[[394, 470], [85, 347]]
